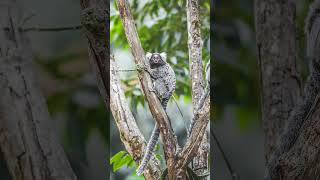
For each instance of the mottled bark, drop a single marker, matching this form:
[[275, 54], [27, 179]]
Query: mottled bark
[[27, 139], [279, 72], [130, 134], [195, 50], [191, 147], [298, 151], [302, 161], [95, 20], [195, 43]]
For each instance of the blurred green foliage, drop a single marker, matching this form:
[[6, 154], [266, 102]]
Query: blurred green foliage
[[77, 98], [235, 72]]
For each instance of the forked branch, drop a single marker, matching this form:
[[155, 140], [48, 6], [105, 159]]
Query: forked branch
[[157, 111], [196, 70], [130, 134]]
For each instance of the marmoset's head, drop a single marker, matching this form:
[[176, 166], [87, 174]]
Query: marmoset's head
[[156, 59]]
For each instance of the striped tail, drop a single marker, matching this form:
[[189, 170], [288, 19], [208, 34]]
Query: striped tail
[[149, 151], [152, 143]]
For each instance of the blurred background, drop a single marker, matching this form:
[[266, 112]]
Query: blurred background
[[76, 108], [237, 116], [162, 27]]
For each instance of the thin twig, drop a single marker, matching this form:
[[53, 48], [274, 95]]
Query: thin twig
[[233, 173], [54, 29], [48, 29], [185, 123], [125, 70], [8, 4]]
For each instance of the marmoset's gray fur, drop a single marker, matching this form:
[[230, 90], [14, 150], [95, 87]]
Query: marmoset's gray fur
[[164, 83]]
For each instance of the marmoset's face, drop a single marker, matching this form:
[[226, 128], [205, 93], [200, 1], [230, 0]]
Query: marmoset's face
[[156, 60]]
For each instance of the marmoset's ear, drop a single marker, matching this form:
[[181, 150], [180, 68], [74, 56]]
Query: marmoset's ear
[[163, 56], [148, 55]]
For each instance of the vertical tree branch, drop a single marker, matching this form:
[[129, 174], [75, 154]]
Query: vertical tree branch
[[195, 63], [190, 149], [157, 111], [27, 139], [129, 132], [298, 152], [279, 72], [195, 50], [95, 20]]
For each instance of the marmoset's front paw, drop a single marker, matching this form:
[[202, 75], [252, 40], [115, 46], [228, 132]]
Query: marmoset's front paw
[[141, 67]]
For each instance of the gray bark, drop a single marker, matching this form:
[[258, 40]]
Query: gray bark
[[279, 72], [302, 161], [195, 44], [296, 156], [193, 143], [27, 138], [95, 20]]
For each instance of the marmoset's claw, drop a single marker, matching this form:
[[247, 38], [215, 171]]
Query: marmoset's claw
[[139, 67]]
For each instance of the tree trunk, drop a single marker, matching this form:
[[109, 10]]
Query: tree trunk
[[279, 72], [302, 162], [95, 20], [200, 162], [27, 139], [291, 121]]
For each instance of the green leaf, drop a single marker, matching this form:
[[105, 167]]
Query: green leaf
[[117, 156], [159, 157], [120, 159]]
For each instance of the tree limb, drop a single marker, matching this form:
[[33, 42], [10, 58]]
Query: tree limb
[[302, 161], [192, 145], [298, 142], [130, 134], [195, 50], [157, 111], [195, 65], [300, 137], [279, 72], [95, 20]]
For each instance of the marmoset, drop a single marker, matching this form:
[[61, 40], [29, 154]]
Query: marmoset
[[164, 83]]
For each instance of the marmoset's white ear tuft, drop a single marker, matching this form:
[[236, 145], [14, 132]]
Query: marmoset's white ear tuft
[[163, 56], [148, 55]]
